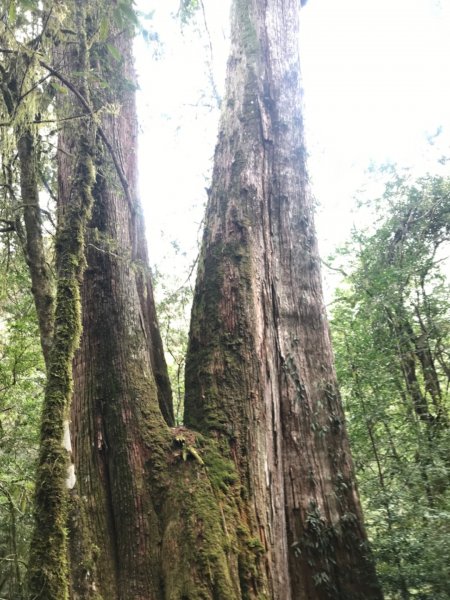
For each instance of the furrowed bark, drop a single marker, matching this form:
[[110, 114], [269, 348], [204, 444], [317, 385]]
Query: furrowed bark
[[259, 371], [158, 512], [113, 529], [261, 503]]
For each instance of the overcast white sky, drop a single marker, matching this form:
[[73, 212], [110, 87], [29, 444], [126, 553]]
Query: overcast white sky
[[376, 83]]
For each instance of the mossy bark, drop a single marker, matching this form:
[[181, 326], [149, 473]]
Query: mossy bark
[[48, 573], [261, 503], [145, 506], [259, 370], [48, 567], [40, 272]]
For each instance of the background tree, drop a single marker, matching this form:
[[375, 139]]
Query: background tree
[[391, 335], [173, 308], [21, 380]]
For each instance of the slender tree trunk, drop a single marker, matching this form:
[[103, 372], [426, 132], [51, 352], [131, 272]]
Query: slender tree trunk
[[259, 370], [386, 502], [30, 236], [41, 276], [48, 568]]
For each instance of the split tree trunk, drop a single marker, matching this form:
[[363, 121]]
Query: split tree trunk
[[156, 513], [261, 503], [259, 369]]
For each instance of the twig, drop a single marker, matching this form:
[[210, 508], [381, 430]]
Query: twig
[[9, 226], [212, 81], [337, 269], [50, 193], [108, 252]]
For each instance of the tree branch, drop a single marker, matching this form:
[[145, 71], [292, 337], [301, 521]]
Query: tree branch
[[82, 100], [9, 226], [102, 134]]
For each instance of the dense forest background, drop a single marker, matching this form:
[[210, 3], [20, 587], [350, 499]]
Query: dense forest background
[[390, 318]]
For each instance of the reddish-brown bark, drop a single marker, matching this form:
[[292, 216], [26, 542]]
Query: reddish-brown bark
[[260, 366], [115, 404]]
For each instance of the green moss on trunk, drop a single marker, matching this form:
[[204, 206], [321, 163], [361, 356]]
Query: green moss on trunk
[[214, 398], [207, 550], [48, 568], [48, 574]]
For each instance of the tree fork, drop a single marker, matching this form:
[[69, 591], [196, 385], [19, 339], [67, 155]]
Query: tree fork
[[161, 510]]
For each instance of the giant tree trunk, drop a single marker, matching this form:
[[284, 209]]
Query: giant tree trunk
[[117, 423], [259, 369], [157, 512], [259, 502]]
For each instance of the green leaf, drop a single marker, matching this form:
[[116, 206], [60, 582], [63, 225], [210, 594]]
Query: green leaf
[[59, 88], [128, 12], [12, 12], [114, 52], [103, 30]]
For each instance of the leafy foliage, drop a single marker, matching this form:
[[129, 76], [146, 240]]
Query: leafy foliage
[[187, 10], [22, 376], [391, 330], [175, 299]]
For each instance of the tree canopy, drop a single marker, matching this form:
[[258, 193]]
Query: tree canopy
[[390, 323]]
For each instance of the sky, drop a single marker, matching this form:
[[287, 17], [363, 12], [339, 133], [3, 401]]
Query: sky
[[376, 86]]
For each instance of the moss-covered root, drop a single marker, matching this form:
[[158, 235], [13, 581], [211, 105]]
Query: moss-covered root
[[207, 550]]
